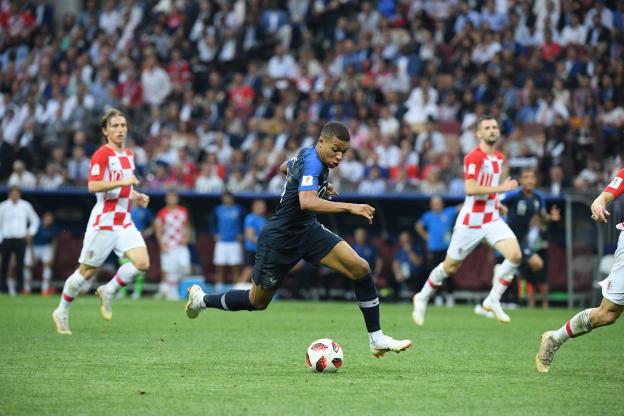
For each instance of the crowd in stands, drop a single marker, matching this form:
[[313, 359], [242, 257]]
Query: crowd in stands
[[219, 93]]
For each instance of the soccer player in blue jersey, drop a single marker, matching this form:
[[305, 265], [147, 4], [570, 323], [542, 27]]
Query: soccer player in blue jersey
[[254, 221], [522, 205], [228, 233], [435, 227], [293, 233]]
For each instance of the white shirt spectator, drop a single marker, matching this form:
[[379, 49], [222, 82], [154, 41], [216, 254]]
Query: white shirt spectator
[[48, 182], [156, 86], [573, 35], [282, 67], [24, 180], [351, 170], [207, 184], [276, 184], [546, 112], [11, 127], [109, 21], [17, 219], [388, 156], [606, 17]]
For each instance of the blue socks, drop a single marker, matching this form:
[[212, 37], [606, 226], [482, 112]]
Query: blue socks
[[368, 301], [234, 300]]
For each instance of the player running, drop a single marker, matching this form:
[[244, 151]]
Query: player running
[[110, 227], [521, 206], [293, 233], [612, 288], [478, 220]]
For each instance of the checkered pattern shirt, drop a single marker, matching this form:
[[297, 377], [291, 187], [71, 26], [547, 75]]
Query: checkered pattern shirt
[[616, 188], [479, 210], [174, 222], [112, 209]]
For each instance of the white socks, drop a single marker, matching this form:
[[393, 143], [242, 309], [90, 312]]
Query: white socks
[[502, 278], [71, 290], [27, 279], [580, 324], [125, 274], [46, 277], [436, 277]]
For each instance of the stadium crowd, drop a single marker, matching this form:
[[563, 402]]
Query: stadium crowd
[[219, 93]]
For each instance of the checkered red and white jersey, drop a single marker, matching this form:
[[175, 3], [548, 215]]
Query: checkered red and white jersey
[[486, 170], [112, 209], [174, 222], [616, 187]]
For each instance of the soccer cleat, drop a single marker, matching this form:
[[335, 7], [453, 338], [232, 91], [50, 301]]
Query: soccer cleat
[[386, 344], [420, 307], [61, 320], [193, 305], [546, 352], [106, 309], [495, 307]]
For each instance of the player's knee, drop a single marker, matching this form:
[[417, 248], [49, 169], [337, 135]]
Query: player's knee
[[359, 269], [536, 264], [451, 267], [86, 271], [142, 264], [259, 305], [515, 257], [610, 317]]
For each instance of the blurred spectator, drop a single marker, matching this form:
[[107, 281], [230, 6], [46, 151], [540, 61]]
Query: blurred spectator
[[406, 266], [367, 251], [42, 250], [51, 179], [78, 167], [373, 184], [228, 234], [253, 223], [208, 181], [22, 178]]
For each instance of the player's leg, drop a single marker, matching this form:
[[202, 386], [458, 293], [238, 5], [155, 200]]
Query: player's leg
[[123, 291], [128, 243], [580, 324], [500, 236], [46, 276], [463, 241], [270, 267], [30, 261], [343, 259], [531, 267], [96, 247], [219, 259]]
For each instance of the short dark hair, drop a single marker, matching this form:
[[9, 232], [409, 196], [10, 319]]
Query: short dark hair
[[483, 118], [337, 130]]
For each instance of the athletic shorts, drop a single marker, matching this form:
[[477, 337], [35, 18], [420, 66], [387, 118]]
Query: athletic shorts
[[176, 262], [35, 254], [273, 262], [613, 285], [465, 239], [250, 258], [228, 253], [98, 244]]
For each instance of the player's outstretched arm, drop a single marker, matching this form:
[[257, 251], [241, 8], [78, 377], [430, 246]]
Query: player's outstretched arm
[[309, 201], [103, 186], [141, 199], [473, 188], [599, 207]]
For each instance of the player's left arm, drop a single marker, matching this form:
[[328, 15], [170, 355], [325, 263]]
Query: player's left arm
[[611, 192], [139, 198]]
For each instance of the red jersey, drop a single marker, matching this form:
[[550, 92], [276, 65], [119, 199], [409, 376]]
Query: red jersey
[[112, 209], [174, 223], [486, 170]]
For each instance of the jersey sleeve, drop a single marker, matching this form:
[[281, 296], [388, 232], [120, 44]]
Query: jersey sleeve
[[616, 187], [472, 165], [248, 222], [99, 161], [310, 172]]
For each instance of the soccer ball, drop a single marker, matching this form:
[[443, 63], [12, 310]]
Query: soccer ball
[[324, 356]]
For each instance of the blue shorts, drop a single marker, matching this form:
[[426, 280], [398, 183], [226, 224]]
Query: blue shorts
[[273, 261]]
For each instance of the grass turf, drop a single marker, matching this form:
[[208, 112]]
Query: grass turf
[[151, 359]]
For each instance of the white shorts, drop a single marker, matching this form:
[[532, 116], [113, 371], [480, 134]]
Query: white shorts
[[613, 285], [176, 262], [98, 244], [35, 254], [466, 239], [228, 253]]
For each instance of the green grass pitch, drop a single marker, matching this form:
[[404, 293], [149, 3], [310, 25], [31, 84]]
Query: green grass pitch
[[151, 359]]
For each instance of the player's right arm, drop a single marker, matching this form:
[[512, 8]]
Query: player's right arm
[[611, 192]]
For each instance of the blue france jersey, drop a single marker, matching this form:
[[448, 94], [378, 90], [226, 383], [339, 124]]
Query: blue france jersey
[[439, 226], [305, 172], [522, 208], [45, 235], [141, 217], [256, 222], [229, 222]]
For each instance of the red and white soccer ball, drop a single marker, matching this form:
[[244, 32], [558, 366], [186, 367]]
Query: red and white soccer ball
[[324, 356]]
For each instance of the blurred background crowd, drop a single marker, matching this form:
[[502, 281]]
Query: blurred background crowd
[[219, 93]]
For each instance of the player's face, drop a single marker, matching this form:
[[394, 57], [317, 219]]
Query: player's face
[[332, 151], [116, 130], [437, 204], [14, 194], [488, 131], [528, 180], [172, 200], [259, 208]]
